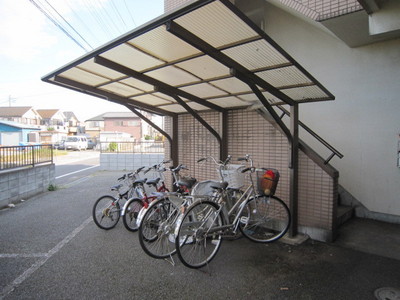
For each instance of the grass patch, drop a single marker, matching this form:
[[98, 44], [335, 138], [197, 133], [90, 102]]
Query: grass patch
[[52, 187]]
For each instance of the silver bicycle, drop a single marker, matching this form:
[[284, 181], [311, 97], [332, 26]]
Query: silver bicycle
[[257, 214]]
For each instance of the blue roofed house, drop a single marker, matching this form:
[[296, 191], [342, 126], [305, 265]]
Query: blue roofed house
[[15, 134]]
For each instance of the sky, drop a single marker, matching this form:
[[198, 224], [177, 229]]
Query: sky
[[32, 46]]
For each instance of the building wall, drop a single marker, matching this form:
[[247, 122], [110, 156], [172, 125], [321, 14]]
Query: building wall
[[363, 121], [124, 125], [249, 133]]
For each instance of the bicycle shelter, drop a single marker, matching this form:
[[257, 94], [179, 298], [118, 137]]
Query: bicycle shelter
[[206, 56]]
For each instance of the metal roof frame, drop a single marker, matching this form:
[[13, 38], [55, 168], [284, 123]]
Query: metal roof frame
[[204, 56]]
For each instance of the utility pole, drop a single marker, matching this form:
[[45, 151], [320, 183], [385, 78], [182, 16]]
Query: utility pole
[[10, 99]]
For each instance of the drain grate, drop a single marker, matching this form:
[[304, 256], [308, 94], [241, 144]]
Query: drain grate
[[387, 293]]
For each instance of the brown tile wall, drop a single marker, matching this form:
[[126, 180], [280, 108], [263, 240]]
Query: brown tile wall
[[249, 133]]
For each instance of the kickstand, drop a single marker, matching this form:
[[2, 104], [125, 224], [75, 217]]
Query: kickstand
[[205, 271], [170, 260]]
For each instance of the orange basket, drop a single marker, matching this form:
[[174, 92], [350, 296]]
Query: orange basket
[[267, 181]]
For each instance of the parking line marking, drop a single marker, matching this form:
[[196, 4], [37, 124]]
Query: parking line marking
[[77, 171], [25, 275], [21, 255]]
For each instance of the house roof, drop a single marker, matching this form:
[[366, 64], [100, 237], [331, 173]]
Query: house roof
[[192, 59], [18, 125], [14, 111], [113, 115], [69, 115], [47, 113]]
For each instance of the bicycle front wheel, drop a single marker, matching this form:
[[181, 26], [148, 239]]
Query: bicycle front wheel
[[106, 212], [199, 237], [156, 231], [265, 219], [130, 217]]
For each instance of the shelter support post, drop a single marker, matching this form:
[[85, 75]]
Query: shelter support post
[[293, 138], [224, 138], [294, 167], [174, 144]]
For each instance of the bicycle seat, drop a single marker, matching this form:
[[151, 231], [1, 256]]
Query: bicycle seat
[[219, 185], [188, 182], [153, 181], [139, 181], [116, 187]]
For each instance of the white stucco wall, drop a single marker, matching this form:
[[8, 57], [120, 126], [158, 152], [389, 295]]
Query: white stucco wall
[[363, 122]]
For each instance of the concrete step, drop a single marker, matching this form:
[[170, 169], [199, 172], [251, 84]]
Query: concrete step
[[344, 213]]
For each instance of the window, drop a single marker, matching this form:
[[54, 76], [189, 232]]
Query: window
[[134, 123], [118, 123]]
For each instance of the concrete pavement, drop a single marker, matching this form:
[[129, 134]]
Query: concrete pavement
[[51, 249]]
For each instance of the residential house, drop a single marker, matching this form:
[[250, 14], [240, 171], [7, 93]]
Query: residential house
[[54, 127], [20, 114], [74, 125], [14, 134], [125, 122]]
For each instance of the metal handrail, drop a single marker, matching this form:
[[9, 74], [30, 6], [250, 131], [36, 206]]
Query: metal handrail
[[12, 157], [316, 136]]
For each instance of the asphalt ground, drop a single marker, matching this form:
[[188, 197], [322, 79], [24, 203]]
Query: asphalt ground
[[51, 249]]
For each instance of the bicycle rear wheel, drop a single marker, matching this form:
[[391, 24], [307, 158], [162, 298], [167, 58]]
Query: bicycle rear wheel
[[106, 212], [130, 217], [197, 242], [265, 219], [156, 231]]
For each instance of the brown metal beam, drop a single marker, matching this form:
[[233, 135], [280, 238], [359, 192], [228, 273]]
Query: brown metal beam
[[148, 121], [203, 46], [65, 82], [168, 90]]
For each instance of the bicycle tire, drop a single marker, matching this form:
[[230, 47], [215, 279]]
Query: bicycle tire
[[195, 245], [106, 212], [131, 213], [265, 219], [156, 231]]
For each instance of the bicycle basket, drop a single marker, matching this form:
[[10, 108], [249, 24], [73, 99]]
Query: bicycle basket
[[203, 188], [267, 181], [233, 175]]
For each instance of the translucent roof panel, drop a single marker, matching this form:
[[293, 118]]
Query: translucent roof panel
[[256, 55], [231, 85], [215, 16], [288, 76], [91, 66], [120, 89], [173, 76], [203, 90], [229, 102], [157, 42], [138, 84], [151, 99], [207, 52], [124, 53], [204, 67], [85, 77]]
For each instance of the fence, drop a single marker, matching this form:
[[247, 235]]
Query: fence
[[132, 147], [12, 157]]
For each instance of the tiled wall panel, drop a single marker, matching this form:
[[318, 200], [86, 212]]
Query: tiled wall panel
[[249, 133]]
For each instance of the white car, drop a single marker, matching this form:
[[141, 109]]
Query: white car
[[76, 143]]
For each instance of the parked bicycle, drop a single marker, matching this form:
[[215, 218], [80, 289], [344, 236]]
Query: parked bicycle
[[258, 214], [157, 229], [107, 210], [133, 209]]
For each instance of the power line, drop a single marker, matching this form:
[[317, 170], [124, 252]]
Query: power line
[[57, 24], [69, 25]]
